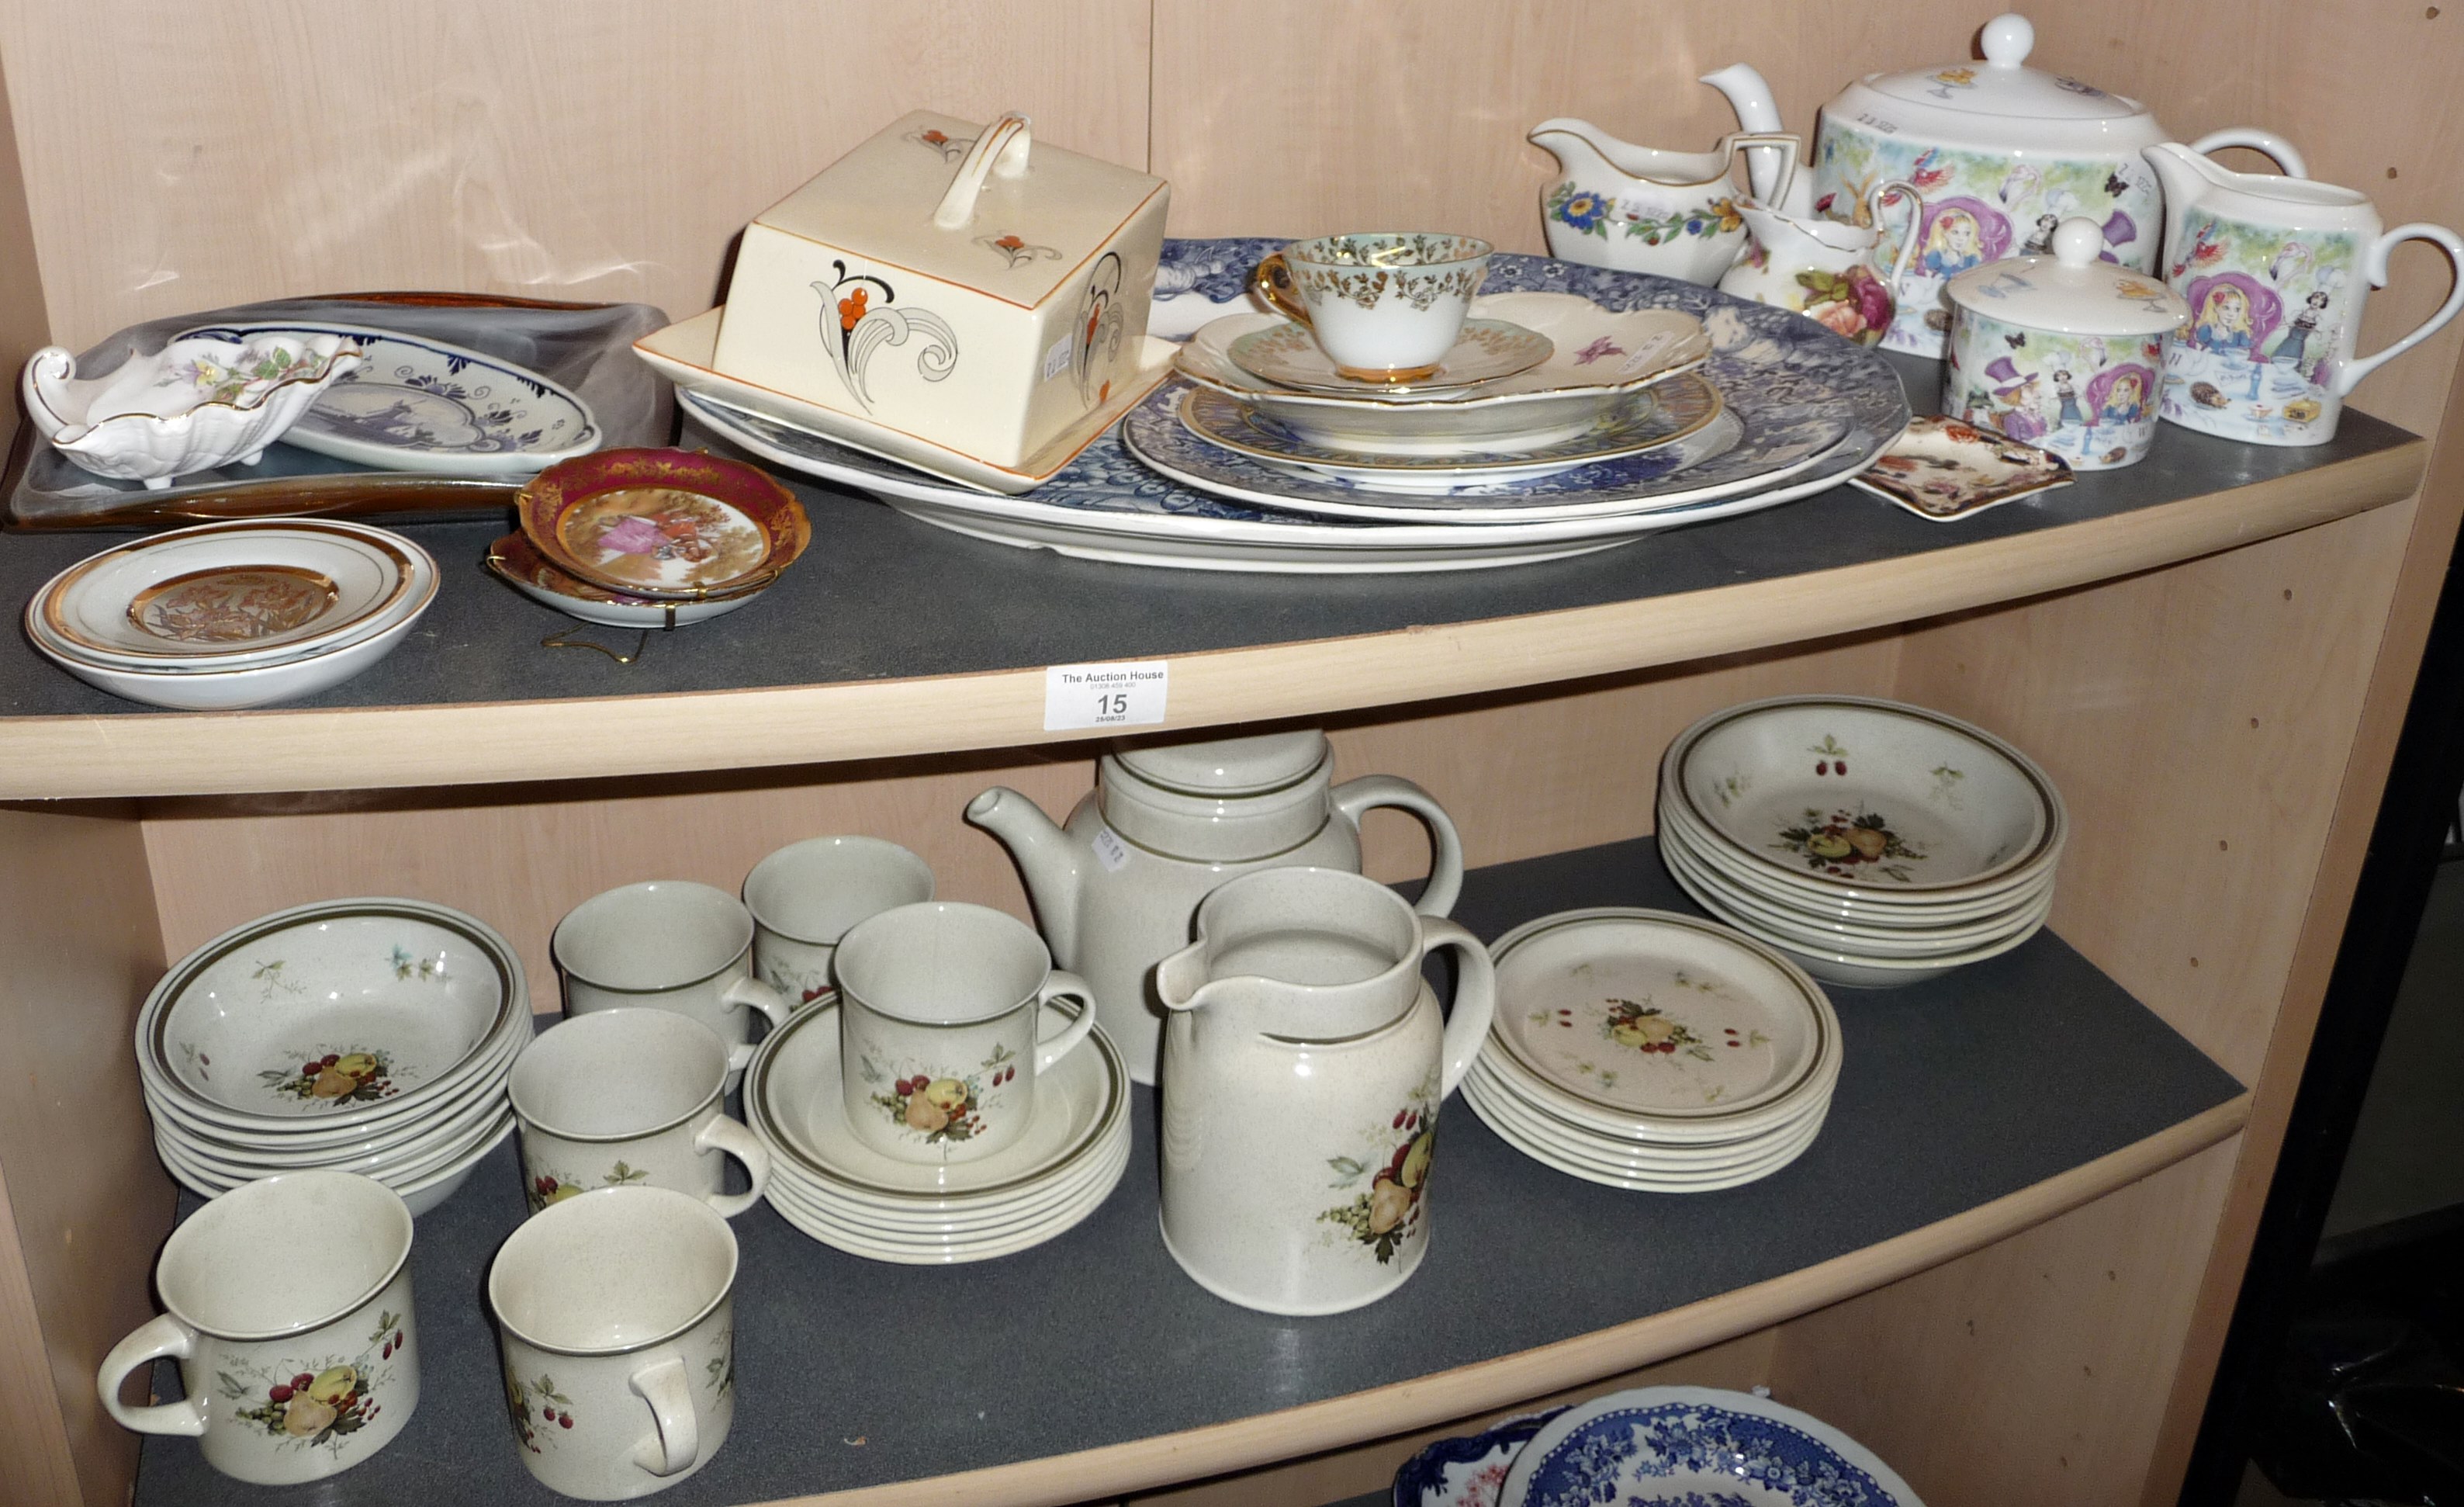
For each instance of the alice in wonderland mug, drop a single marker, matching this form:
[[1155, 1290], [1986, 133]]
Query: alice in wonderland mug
[[809, 895], [613, 1310], [939, 1005], [668, 944], [1384, 308], [630, 1098], [288, 1306]]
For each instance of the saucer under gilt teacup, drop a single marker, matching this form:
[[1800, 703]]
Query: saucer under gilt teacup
[[1289, 355], [1383, 306]]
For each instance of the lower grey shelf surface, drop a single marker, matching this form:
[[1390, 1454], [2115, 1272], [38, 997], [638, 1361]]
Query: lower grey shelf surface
[[851, 1373]]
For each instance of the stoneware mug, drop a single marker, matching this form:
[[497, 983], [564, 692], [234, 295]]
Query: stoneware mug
[[288, 1306], [939, 1009], [630, 1099], [809, 895], [619, 1337], [668, 945], [1384, 308]]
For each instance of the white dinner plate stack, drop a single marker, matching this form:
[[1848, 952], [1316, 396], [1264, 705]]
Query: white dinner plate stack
[[362, 1035], [1876, 844], [846, 1195], [236, 613], [1654, 1052]]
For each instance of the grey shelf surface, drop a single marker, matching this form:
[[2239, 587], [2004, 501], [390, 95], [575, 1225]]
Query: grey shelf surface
[[880, 596], [1953, 1093]]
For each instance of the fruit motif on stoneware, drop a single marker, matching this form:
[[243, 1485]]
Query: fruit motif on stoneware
[[941, 1108], [539, 1411], [323, 1403], [1391, 1211], [800, 985], [555, 1187], [1651, 1030], [409, 968], [1842, 841], [335, 1077]]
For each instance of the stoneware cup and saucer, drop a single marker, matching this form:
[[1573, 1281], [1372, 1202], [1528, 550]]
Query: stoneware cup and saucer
[[809, 895]]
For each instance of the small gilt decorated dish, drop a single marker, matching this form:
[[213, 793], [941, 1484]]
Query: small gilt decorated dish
[[516, 562], [1488, 350], [1944, 469], [664, 525]]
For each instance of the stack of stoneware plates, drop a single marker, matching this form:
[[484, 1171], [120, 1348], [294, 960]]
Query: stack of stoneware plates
[[360, 1036], [1650, 1051], [1876, 844], [846, 1195], [232, 614]]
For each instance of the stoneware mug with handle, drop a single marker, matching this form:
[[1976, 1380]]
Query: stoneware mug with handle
[[618, 1330], [287, 1303], [939, 1009], [668, 945], [809, 895], [1385, 308], [630, 1097]]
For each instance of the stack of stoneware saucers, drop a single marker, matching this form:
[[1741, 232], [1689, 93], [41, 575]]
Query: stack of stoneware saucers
[[1876, 844], [845, 1194], [360, 1036], [232, 614], [1650, 1051]]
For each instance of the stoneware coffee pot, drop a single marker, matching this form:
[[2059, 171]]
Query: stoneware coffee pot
[[2275, 270], [1303, 1068], [1115, 888]]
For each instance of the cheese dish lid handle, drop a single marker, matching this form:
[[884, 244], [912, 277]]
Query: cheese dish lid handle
[[1002, 149]]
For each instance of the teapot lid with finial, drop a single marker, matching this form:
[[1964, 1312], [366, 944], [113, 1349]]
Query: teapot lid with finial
[[2003, 84], [1230, 767]]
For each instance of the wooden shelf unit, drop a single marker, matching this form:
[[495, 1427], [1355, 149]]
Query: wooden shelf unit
[[2216, 691]]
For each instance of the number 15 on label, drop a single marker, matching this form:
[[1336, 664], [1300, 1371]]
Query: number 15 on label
[[1104, 695]]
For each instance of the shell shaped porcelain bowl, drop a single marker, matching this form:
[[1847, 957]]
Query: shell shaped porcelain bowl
[[663, 525], [196, 404], [342, 1012]]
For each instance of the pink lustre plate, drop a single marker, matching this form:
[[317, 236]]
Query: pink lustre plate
[[664, 525]]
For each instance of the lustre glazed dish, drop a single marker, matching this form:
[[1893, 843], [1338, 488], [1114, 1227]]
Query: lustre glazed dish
[[517, 562], [416, 404], [664, 525], [1947, 469]]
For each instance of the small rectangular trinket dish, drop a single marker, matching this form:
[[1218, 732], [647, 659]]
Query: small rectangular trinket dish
[[1945, 469]]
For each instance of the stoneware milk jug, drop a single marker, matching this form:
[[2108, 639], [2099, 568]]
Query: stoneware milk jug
[[1302, 1067], [2275, 270], [1115, 890]]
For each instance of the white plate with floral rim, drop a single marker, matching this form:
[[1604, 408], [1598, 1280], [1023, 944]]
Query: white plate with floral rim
[[792, 1086], [1647, 421], [416, 404], [1652, 1015], [1830, 792], [1693, 1445], [1287, 355]]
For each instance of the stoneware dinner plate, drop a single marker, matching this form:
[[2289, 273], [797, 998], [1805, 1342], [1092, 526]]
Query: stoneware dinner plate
[[416, 404], [1684, 1445], [664, 525]]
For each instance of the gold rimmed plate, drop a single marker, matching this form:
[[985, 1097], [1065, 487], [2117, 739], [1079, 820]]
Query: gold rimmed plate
[[1488, 350], [664, 525]]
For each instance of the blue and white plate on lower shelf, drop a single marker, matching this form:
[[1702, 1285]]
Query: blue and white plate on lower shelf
[[1466, 1471], [421, 404], [1696, 1446]]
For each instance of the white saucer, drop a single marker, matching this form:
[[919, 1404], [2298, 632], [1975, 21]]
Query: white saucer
[[1289, 355], [1614, 1168]]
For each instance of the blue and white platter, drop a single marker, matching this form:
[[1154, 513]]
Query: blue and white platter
[[421, 404], [1696, 1446], [1466, 1471]]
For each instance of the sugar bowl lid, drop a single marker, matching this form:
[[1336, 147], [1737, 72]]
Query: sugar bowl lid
[[1230, 765], [2003, 86], [2071, 292]]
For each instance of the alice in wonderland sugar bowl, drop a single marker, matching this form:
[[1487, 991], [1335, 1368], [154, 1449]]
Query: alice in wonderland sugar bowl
[[2063, 351]]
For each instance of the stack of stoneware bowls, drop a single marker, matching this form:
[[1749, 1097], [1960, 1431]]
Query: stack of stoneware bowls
[[1877, 844], [362, 1035], [846, 1194], [1654, 1052], [236, 614]]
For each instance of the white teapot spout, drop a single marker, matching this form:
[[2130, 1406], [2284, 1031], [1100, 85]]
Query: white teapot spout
[[1750, 95]]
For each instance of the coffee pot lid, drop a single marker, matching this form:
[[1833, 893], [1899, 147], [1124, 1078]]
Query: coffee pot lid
[[2072, 292], [1230, 765], [2002, 85]]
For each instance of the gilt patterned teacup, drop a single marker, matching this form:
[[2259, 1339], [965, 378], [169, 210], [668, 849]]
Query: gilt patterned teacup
[[616, 1317], [668, 945], [630, 1099], [939, 1004], [1386, 307], [809, 895], [288, 1306]]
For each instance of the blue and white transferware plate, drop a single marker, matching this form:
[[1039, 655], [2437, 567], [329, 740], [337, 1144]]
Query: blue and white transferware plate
[[1662, 416], [1696, 1446], [421, 404], [1466, 1471]]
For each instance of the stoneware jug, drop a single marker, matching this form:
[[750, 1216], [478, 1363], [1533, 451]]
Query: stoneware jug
[[1640, 208], [1829, 270], [1303, 1068], [1115, 890], [2275, 270]]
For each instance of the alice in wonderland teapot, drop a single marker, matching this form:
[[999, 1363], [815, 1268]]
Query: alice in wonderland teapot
[[2001, 154], [1303, 1068], [1116, 888], [2275, 270]]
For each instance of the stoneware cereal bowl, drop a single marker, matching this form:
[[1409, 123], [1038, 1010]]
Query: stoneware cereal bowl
[[1679, 828]]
